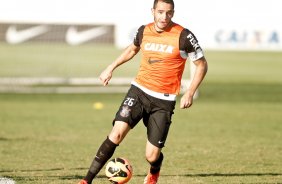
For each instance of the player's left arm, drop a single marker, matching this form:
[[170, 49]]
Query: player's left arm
[[189, 44], [200, 72]]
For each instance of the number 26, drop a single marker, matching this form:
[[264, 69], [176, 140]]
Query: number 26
[[128, 101]]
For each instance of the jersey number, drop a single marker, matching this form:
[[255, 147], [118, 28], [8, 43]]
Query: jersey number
[[128, 101]]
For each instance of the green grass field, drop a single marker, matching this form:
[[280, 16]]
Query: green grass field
[[232, 133]]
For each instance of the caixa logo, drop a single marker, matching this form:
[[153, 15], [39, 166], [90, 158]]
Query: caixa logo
[[250, 37]]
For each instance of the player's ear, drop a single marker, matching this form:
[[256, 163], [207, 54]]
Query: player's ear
[[153, 11]]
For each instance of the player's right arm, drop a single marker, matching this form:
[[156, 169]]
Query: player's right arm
[[125, 56]]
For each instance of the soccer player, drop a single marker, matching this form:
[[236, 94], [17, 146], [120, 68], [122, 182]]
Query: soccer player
[[165, 47]]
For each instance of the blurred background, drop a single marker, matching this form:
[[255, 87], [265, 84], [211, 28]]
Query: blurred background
[[70, 42]]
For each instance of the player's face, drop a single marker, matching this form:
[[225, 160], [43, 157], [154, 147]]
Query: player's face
[[163, 14]]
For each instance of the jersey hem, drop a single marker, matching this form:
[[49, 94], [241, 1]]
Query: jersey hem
[[163, 96]]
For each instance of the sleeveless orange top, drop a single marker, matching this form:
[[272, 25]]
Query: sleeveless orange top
[[161, 65]]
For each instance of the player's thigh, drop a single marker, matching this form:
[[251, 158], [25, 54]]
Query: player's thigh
[[131, 108], [158, 127], [119, 131]]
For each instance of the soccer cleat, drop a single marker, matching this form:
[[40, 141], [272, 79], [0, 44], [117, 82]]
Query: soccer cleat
[[83, 182], [151, 178]]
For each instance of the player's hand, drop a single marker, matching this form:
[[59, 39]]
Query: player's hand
[[106, 76], [186, 100]]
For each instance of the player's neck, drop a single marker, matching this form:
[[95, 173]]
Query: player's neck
[[157, 29]]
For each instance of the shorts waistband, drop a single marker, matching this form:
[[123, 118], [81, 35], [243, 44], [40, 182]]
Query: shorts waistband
[[163, 96]]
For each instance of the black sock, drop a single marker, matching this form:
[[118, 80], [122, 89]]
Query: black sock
[[156, 166], [104, 153]]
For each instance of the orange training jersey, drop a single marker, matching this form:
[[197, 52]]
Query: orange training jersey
[[162, 61], [161, 65]]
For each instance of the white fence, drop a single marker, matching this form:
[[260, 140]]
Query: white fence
[[68, 85]]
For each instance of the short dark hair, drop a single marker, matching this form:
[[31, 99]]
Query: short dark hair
[[165, 1]]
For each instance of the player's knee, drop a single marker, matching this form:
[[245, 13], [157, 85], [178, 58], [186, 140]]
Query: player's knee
[[118, 132], [115, 137]]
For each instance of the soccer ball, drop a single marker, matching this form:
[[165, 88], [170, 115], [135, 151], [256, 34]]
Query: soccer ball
[[118, 170]]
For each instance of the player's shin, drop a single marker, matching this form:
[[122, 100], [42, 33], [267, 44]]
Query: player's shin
[[104, 153]]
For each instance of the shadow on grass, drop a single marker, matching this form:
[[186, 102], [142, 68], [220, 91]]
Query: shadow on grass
[[5, 173], [232, 174]]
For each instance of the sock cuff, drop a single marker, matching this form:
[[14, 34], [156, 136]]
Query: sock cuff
[[110, 143]]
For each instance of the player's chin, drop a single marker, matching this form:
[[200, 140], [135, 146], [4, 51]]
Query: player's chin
[[162, 25]]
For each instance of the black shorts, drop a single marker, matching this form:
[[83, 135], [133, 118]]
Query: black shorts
[[156, 114]]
